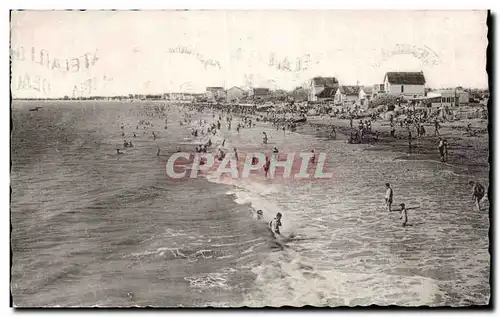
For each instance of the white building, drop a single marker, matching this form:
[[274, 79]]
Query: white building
[[234, 94], [347, 95], [378, 89], [215, 93], [411, 84], [448, 97], [322, 88], [259, 93], [365, 95]]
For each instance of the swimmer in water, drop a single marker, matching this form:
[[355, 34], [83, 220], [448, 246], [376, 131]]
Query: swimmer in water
[[134, 135], [118, 151], [275, 224]]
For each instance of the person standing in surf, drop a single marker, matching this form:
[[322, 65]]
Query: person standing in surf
[[275, 224], [404, 215], [388, 196], [477, 193]]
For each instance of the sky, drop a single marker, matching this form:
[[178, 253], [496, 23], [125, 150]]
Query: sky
[[127, 52]]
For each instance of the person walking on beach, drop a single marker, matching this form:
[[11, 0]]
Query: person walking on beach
[[333, 133], [267, 165], [436, 127], [443, 149], [409, 139], [388, 196], [477, 193], [264, 139], [236, 155], [404, 214], [393, 130], [275, 224], [422, 130]]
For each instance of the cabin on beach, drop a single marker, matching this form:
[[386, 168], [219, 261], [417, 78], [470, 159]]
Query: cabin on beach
[[322, 88], [234, 94], [365, 95], [347, 95], [448, 97], [259, 93], [405, 84], [215, 93], [378, 89]]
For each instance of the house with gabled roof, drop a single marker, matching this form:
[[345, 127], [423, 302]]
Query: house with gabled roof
[[365, 95], [234, 94], [259, 93], [347, 94], [215, 93], [322, 88], [405, 83]]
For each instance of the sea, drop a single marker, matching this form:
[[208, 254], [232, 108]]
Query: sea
[[90, 227]]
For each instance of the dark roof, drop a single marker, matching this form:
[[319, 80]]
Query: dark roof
[[406, 78], [261, 91], [325, 81], [214, 88], [327, 92], [350, 90]]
